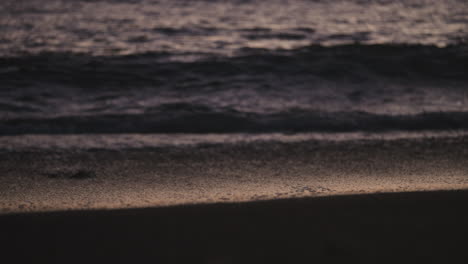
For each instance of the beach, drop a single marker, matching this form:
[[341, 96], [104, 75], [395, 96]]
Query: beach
[[258, 202], [73, 178], [233, 131]]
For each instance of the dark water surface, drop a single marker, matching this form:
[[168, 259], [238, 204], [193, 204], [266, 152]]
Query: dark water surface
[[131, 66]]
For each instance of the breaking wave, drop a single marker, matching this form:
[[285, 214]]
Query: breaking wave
[[203, 121], [339, 88]]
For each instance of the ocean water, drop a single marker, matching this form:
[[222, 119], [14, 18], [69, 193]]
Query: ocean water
[[232, 66]]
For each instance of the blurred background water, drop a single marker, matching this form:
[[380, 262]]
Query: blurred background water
[[92, 66]]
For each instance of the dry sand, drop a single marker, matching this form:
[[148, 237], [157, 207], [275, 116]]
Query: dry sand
[[371, 201], [47, 180]]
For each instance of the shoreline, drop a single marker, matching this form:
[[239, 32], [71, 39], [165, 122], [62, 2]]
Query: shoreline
[[138, 141]]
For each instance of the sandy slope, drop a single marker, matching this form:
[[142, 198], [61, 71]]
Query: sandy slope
[[45, 180], [237, 212]]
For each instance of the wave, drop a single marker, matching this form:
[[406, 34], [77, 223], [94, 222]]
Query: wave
[[337, 89], [201, 120], [350, 62]]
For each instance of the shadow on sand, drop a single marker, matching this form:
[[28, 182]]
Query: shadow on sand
[[374, 228]]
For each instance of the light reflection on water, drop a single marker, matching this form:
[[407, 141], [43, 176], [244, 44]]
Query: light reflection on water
[[223, 27], [259, 65]]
